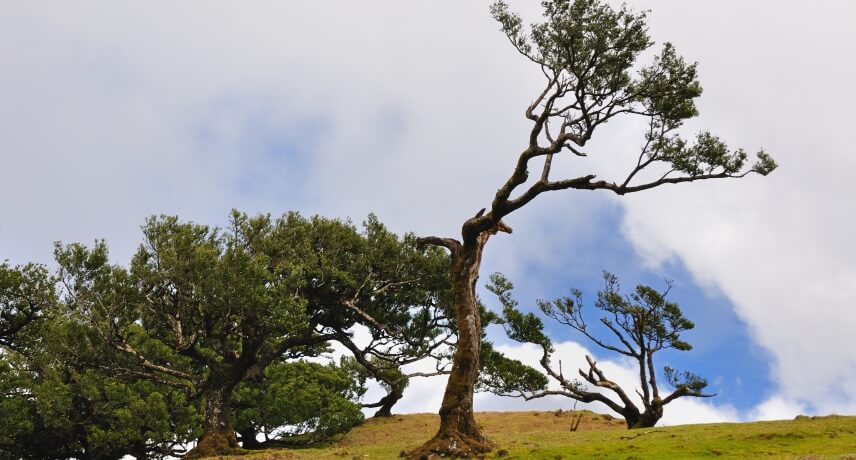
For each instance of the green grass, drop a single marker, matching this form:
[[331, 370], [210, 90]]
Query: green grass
[[546, 435]]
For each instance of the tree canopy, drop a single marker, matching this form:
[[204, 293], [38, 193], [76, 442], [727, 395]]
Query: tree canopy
[[203, 312]]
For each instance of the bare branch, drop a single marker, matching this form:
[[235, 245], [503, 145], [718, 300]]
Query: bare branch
[[601, 381], [453, 245]]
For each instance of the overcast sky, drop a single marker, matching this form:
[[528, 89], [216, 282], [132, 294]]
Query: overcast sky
[[114, 111]]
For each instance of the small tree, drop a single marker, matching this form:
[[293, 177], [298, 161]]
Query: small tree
[[643, 323], [390, 375], [587, 52], [423, 334]]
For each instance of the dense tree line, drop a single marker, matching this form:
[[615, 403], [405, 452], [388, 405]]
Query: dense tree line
[[203, 339], [203, 336]]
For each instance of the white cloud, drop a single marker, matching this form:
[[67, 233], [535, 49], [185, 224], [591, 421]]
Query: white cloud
[[780, 248], [777, 408]]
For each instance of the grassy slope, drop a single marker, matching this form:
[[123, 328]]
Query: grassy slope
[[546, 435]]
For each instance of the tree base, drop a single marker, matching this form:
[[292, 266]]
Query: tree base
[[215, 445], [452, 445], [382, 414]]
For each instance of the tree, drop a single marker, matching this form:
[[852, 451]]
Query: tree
[[643, 323], [587, 53], [204, 310]]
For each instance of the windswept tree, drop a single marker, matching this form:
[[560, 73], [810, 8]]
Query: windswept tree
[[642, 323], [587, 52], [205, 309]]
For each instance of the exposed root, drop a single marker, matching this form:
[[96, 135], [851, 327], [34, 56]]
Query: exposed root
[[451, 445], [215, 445]]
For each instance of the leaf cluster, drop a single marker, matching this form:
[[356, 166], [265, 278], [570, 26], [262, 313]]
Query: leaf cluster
[[299, 399]]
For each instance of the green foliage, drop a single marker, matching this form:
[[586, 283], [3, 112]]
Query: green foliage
[[651, 321], [643, 323], [502, 375], [210, 292], [117, 358], [587, 39], [299, 399], [686, 379], [64, 404], [15, 404], [588, 52], [522, 327], [203, 309], [388, 374], [25, 292]]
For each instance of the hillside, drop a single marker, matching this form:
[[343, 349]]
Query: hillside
[[547, 435]]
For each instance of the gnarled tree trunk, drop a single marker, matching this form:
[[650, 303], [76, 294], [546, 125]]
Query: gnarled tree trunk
[[218, 435], [396, 392], [647, 419], [459, 435]]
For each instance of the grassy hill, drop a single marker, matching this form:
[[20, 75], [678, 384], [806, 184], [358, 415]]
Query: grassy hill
[[547, 435]]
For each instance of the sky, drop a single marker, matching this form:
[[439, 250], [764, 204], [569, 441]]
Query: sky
[[112, 112]]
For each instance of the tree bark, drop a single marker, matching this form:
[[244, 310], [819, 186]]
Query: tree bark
[[647, 419], [459, 435], [218, 435], [395, 394]]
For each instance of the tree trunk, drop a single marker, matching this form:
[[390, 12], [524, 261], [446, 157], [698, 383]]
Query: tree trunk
[[396, 392], [648, 419], [218, 435], [459, 435]]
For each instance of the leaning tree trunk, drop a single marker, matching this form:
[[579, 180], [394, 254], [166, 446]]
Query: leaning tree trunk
[[396, 392], [459, 435], [218, 435]]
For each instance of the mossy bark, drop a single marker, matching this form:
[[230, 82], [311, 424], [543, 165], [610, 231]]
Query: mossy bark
[[459, 435], [218, 435]]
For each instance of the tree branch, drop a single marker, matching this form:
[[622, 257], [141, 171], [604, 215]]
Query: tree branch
[[453, 245], [603, 382]]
